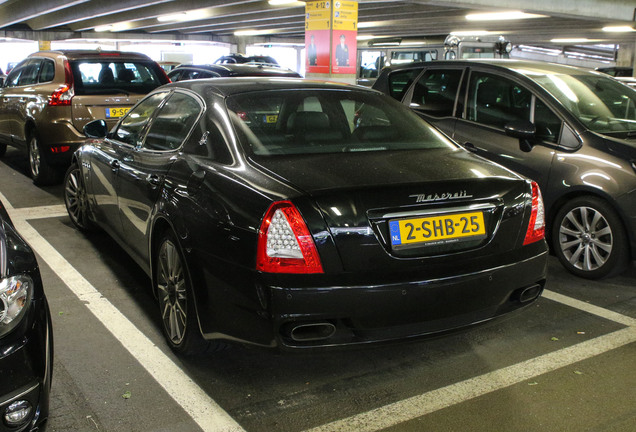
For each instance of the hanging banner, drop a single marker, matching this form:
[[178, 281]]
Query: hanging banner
[[344, 33], [318, 23]]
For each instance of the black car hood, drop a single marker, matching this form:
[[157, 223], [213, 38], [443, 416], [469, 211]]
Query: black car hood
[[317, 172]]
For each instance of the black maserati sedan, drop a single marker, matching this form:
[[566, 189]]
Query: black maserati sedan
[[299, 214], [26, 337]]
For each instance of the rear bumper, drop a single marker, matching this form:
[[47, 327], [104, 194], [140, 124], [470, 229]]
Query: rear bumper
[[59, 139], [352, 315], [26, 365]]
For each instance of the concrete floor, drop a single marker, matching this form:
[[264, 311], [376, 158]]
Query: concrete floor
[[564, 364]]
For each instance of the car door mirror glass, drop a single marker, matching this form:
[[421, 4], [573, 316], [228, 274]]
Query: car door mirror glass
[[96, 129]]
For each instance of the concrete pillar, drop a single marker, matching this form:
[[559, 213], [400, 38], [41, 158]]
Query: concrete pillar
[[627, 56]]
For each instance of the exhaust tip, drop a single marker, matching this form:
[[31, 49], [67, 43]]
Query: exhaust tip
[[530, 293], [312, 332]]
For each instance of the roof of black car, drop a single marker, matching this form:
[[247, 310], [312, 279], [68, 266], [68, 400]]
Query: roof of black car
[[245, 69], [233, 85]]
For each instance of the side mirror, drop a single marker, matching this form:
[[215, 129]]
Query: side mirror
[[96, 129], [524, 130]]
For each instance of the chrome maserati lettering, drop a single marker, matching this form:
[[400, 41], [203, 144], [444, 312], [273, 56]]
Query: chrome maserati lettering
[[440, 196]]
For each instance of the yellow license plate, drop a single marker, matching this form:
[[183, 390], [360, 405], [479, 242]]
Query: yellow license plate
[[440, 229], [271, 118], [116, 112]]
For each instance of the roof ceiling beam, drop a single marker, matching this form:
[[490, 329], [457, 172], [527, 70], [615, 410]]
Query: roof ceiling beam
[[89, 10], [152, 12], [617, 10], [15, 11]]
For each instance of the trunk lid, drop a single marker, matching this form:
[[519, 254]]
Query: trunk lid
[[470, 207]]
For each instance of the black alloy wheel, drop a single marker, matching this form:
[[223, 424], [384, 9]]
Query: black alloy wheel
[[76, 200], [176, 301], [589, 238]]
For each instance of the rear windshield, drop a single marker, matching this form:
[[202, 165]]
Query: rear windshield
[[97, 77], [285, 122]]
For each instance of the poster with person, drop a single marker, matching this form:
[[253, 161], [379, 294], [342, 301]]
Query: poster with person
[[344, 33]]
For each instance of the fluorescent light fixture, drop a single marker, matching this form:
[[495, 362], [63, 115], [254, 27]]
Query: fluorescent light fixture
[[104, 28], [500, 16], [618, 29], [471, 33], [570, 40], [253, 32], [286, 2], [172, 17], [192, 15], [364, 37]]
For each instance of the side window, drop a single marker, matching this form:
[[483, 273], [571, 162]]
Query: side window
[[400, 81], [435, 92], [132, 127], [14, 75], [496, 101], [30, 73], [173, 123], [547, 123], [47, 71]]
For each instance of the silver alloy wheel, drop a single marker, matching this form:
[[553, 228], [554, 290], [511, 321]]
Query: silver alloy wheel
[[75, 197], [34, 157], [585, 238], [172, 292]]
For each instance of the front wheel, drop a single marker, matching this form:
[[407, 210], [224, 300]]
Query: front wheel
[[589, 238], [176, 299]]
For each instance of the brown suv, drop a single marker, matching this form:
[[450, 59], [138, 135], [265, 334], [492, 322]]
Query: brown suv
[[48, 98]]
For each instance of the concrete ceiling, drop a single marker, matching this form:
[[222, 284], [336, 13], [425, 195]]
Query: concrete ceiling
[[219, 19]]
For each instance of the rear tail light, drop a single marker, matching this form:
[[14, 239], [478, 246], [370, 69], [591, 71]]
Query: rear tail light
[[63, 95], [284, 242], [536, 227]]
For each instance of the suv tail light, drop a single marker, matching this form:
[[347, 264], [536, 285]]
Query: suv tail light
[[63, 94], [284, 242], [536, 227]]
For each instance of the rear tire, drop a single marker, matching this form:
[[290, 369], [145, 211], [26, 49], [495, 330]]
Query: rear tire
[[176, 299], [589, 239], [41, 171]]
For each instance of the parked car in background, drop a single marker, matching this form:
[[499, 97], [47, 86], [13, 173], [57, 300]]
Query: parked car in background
[[26, 336], [570, 129], [48, 98], [186, 72], [167, 66], [242, 58], [298, 214]]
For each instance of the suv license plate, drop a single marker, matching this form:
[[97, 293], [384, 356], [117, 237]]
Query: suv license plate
[[436, 230], [116, 112]]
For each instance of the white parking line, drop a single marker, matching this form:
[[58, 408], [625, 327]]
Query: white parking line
[[211, 417], [203, 410], [419, 406]]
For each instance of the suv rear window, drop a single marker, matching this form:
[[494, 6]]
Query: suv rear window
[[107, 76]]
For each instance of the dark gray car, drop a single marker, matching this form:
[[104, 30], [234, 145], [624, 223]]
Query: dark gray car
[[570, 129]]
